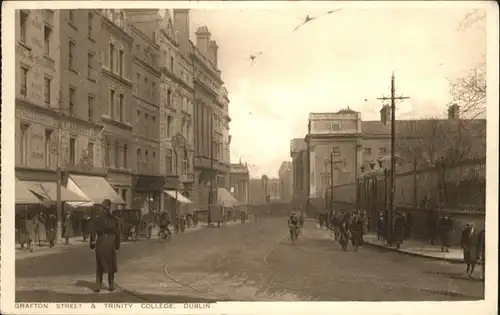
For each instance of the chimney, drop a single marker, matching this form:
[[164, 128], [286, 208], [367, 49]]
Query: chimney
[[213, 51], [202, 40], [181, 27], [454, 112], [385, 114]]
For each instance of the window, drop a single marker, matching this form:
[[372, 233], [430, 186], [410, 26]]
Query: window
[[382, 151], [117, 154], [72, 93], [124, 194], [122, 20], [120, 62], [24, 143], [153, 163], [71, 55], [125, 156], [71, 16], [153, 88], [335, 127], [172, 64], [146, 159], [120, 107], [24, 81], [112, 57], [146, 124], [146, 86], [168, 162], [47, 32], [48, 148], [24, 26], [153, 126], [46, 89], [169, 125], [138, 119], [169, 97], [90, 21], [72, 151], [137, 83], [183, 124], [90, 62], [112, 104], [367, 151], [90, 101], [105, 151], [90, 152], [138, 158]]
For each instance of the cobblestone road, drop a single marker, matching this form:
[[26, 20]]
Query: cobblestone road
[[251, 262]]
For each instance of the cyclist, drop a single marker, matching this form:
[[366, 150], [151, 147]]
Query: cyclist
[[293, 225], [164, 222]]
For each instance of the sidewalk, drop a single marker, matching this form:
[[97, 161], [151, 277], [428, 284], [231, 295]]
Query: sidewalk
[[78, 241], [418, 248]]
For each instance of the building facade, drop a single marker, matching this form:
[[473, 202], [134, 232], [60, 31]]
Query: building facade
[[285, 175], [148, 181], [57, 94], [256, 191], [239, 182], [208, 118], [298, 153], [116, 101]]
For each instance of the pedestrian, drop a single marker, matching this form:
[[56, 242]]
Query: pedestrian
[[398, 230], [380, 226], [51, 229], [36, 229], [69, 230], [42, 231], [365, 220], [469, 242], [356, 228], [481, 251], [105, 240], [445, 224], [344, 233], [432, 222], [30, 232]]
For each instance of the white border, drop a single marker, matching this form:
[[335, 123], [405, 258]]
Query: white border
[[8, 174]]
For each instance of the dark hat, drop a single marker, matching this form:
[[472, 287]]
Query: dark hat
[[106, 203]]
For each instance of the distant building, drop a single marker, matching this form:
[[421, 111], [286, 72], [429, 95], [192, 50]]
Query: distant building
[[343, 142], [286, 181], [257, 192], [239, 182], [273, 189], [300, 177]]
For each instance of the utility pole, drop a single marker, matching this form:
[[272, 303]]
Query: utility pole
[[393, 99]]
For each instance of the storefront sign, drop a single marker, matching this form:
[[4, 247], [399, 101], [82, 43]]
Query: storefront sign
[[36, 117]]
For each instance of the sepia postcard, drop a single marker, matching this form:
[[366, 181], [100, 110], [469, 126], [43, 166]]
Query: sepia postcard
[[249, 157]]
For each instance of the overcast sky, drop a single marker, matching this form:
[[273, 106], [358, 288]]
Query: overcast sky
[[336, 61]]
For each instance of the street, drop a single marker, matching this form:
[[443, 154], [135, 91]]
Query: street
[[252, 262]]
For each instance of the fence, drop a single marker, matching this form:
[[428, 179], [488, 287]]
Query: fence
[[462, 187]]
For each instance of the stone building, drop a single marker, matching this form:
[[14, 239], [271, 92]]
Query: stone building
[[58, 122], [239, 182], [148, 180], [116, 101], [298, 153], [285, 175]]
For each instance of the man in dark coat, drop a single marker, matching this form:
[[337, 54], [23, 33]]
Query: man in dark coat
[[469, 242], [51, 229], [356, 228], [344, 233], [399, 230], [105, 239], [445, 224], [380, 226]]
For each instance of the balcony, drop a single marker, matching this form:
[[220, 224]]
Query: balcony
[[187, 178]]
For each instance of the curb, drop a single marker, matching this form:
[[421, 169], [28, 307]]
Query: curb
[[449, 260]]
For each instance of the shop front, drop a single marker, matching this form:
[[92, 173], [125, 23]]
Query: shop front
[[122, 184], [147, 194]]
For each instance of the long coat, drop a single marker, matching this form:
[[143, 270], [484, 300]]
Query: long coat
[[356, 229], [469, 242], [106, 236], [51, 227]]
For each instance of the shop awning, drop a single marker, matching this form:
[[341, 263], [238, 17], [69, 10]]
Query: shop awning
[[225, 198], [23, 194], [48, 191], [77, 204], [93, 188], [177, 195]]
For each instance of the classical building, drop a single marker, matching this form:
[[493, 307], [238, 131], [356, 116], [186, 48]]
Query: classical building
[[225, 154], [208, 118], [285, 175], [116, 101], [239, 182], [300, 173]]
